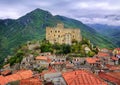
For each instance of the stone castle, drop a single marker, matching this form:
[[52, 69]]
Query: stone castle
[[62, 35]]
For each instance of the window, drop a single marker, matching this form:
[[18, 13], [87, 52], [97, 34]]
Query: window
[[55, 31], [58, 35], [51, 31]]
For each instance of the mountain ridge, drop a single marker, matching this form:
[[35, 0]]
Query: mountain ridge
[[14, 32], [112, 32]]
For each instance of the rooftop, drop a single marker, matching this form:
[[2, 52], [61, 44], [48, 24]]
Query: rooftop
[[3, 81], [111, 76], [43, 58], [92, 60], [82, 77], [6, 72], [103, 54], [31, 81], [115, 58], [17, 76]]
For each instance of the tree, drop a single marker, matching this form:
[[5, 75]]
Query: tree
[[46, 47], [66, 49], [91, 54]]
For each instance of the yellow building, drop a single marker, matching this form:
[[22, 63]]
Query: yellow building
[[61, 35]]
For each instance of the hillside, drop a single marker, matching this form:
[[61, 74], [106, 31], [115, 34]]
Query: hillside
[[113, 32], [32, 27]]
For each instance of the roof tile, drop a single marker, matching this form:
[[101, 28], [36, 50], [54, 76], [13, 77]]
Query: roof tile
[[82, 77]]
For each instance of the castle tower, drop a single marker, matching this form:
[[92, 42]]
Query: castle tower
[[61, 35]]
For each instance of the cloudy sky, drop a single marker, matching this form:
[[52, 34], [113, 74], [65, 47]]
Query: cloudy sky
[[87, 11]]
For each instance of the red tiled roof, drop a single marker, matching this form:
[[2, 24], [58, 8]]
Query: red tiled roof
[[102, 54], [17, 76], [43, 58], [108, 65], [112, 67], [112, 77], [92, 60], [3, 81], [115, 58], [31, 81], [82, 77], [6, 72]]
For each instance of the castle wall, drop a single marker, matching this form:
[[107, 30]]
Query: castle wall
[[61, 35]]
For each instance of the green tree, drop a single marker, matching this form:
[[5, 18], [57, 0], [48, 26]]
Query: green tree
[[66, 49], [91, 53], [46, 47]]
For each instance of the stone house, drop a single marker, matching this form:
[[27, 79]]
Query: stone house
[[27, 62], [42, 61]]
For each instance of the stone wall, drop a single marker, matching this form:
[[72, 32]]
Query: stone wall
[[61, 35]]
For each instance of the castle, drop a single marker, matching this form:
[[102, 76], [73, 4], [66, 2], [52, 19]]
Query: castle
[[62, 35]]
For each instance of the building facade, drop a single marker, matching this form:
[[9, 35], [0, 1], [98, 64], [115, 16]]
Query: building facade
[[62, 35]]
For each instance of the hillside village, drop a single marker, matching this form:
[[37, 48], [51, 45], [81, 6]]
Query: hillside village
[[62, 59]]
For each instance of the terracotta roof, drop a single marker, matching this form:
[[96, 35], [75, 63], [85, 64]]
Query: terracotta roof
[[108, 65], [43, 58], [112, 67], [3, 81], [6, 72], [31, 81], [115, 58], [112, 77], [92, 60], [82, 77], [17, 76], [103, 54]]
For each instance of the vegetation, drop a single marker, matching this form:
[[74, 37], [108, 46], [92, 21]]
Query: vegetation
[[112, 32], [77, 48], [32, 27], [17, 58]]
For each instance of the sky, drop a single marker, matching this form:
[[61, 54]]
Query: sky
[[87, 11]]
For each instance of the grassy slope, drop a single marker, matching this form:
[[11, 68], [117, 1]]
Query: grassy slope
[[112, 32]]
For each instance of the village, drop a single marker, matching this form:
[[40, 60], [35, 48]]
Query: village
[[47, 68]]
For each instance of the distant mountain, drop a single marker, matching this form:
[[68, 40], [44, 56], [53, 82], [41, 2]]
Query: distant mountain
[[113, 32], [112, 17], [32, 27]]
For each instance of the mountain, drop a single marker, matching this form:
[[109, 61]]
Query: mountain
[[32, 27], [112, 17], [113, 32]]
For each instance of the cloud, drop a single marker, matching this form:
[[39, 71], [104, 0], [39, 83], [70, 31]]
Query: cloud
[[107, 21], [85, 10]]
